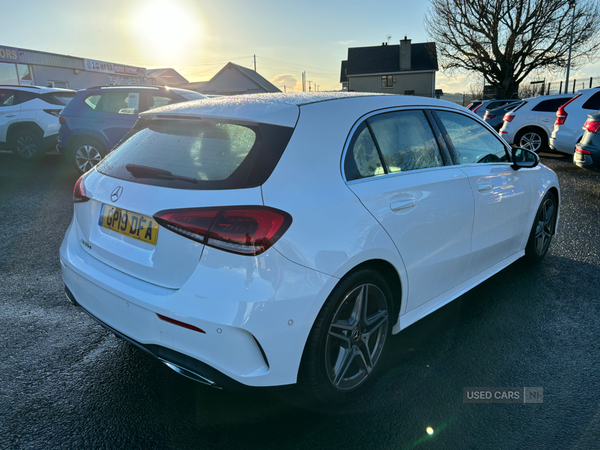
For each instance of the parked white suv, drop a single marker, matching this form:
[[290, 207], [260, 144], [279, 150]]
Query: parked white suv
[[29, 118], [570, 117], [530, 125]]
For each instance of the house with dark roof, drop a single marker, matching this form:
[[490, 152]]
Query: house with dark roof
[[233, 80], [165, 77], [406, 68]]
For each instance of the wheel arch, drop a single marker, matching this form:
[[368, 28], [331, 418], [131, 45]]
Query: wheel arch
[[80, 136], [527, 128], [13, 128]]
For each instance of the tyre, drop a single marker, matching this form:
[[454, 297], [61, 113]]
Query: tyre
[[85, 153], [542, 230], [26, 144], [349, 338], [532, 139]]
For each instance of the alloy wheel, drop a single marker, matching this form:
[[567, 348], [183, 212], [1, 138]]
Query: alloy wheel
[[531, 141], [26, 146], [544, 226], [356, 337], [86, 157]]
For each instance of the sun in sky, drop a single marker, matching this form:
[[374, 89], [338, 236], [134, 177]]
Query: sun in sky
[[166, 32]]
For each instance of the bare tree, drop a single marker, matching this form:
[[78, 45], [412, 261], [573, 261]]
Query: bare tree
[[505, 40]]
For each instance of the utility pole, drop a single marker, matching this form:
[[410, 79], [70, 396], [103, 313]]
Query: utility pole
[[255, 63], [571, 3]]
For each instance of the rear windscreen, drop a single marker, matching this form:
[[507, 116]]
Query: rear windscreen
[[58, 98], [197, 154]]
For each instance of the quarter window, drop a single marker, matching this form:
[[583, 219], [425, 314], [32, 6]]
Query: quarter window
[[362, 159], [156, 101], [472, 142], [7, 98], [593, 102]]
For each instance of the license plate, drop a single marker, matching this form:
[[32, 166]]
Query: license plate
[[130, 224]]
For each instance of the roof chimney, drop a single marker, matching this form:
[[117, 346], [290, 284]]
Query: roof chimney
[[405, 54]]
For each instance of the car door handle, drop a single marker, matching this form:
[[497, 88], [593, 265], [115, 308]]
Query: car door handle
[[11, 115], [403, 204], [99, 121], [484, 187]]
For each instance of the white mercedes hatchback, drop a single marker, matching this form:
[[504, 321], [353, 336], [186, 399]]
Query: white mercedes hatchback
[[267, 240]]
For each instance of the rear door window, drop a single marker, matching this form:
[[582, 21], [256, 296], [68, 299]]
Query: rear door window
[[115, 102], [406, 141]]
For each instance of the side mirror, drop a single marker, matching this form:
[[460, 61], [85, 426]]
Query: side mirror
[[523, 158]]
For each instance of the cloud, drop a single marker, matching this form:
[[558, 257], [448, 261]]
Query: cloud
[[346, 42], [287, 80]]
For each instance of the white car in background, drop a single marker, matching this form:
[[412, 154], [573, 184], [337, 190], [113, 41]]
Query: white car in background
[[29, 118], [529, 125], [270, 239], [570, 117]]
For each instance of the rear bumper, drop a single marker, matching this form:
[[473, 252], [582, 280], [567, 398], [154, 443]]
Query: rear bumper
[[180, 363], [587, 161], [253, 314], [49, 142], [562, 142]]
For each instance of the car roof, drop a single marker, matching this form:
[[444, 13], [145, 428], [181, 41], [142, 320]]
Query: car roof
[[283, 109], [37, 89], [541, 98]]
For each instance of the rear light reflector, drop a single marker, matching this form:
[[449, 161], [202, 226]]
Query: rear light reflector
[[488, 116], [181, 324], [508, 117], [79, 191], [62, 119], [593, 126], [580, 150], [561, 114], [244, 230]]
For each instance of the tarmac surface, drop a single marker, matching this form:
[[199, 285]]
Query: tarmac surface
[[67, 383]]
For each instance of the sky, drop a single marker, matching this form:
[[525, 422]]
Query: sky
[[198, 37]]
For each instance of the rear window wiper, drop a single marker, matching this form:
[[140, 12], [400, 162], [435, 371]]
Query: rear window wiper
[[139, 171]]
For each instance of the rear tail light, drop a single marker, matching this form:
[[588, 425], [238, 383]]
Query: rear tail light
[[53, 112], [488, 116], [508, 117], [79, 192], [244, 230], [593, 126], [561, 114], [62, 119], [475, 110], [580, 150]]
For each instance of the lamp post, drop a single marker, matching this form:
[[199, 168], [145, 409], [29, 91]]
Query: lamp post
[[571, 4]]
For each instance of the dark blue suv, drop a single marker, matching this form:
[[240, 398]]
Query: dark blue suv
[[98, 118]]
